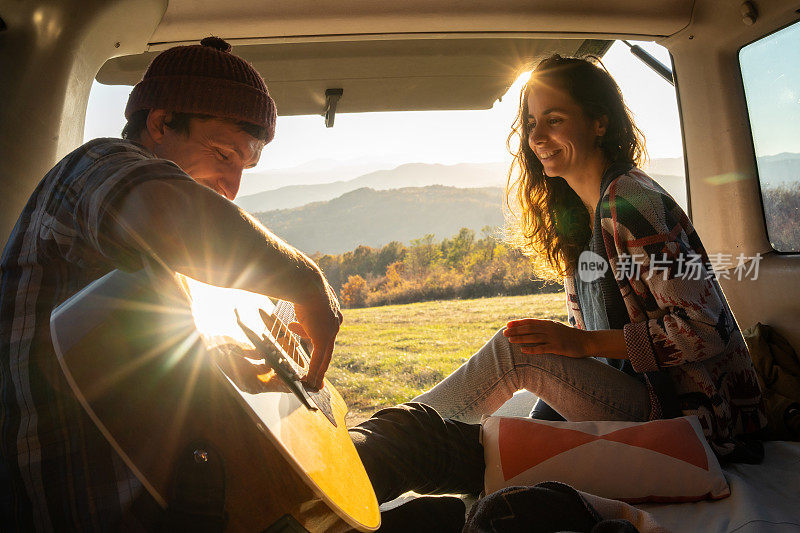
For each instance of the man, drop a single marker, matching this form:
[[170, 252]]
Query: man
[[199, 117]]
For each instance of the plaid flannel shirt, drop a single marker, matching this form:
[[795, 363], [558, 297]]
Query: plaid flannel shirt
[[56, 470]]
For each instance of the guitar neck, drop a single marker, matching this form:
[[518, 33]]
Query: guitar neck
[[277, 325]]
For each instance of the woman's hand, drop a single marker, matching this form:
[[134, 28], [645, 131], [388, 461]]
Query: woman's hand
[[547, 336]]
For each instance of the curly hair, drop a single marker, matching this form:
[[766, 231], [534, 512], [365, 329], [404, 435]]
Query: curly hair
[[550, 223]]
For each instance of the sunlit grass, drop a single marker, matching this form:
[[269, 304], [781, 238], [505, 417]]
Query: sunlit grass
[[388, 355]]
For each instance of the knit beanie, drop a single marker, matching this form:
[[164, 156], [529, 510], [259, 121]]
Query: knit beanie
[[205, 79]]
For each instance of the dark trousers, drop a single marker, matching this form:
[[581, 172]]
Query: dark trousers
[[411, 447]]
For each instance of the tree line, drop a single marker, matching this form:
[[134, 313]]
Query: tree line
[[462, 266]]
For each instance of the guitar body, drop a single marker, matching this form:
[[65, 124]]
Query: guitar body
[[165, 392]]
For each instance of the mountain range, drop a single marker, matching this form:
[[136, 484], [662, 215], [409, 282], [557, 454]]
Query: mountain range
[[779, 170], [374, 218], [324, 170], [465, 175], [669, 172], [386, 205]]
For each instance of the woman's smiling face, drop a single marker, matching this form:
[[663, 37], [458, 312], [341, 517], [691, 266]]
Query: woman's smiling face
[[561, 135]]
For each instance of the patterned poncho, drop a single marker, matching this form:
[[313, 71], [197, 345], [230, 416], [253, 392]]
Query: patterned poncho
[[679, 332]]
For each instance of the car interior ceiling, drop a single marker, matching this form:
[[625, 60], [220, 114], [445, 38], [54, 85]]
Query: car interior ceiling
[[419, 55]]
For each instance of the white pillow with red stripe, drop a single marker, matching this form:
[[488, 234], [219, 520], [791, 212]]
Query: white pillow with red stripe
[[659, 461]]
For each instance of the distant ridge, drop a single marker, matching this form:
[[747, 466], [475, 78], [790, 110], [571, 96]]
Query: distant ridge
[[779, 170], [374, 218], [387, 205], [465, 175]]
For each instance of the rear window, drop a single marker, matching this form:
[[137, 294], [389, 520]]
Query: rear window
[[771, 76]]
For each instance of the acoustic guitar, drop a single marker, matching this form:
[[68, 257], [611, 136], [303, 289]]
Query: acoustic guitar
[[197, 389]]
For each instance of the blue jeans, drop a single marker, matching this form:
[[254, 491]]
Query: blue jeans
[[578, 389], [412, 447]]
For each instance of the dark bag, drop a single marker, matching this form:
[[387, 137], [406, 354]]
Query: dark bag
[[544, 508], [778, 369]]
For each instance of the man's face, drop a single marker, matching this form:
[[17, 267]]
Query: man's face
[[214, 153]]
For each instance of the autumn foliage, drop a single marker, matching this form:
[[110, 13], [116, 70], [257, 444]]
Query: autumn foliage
[[462, 266]]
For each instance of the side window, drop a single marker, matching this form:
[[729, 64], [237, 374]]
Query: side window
[[654, 105], [771, 75]]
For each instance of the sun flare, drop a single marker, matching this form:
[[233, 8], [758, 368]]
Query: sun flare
[[214, 310]]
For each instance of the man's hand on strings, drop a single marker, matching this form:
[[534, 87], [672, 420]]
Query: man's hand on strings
[[320, 323]]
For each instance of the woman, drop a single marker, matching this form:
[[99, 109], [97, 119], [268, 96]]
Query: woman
[[652, 334], [667, 336]]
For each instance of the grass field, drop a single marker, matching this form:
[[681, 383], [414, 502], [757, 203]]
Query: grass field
[[388, 355]]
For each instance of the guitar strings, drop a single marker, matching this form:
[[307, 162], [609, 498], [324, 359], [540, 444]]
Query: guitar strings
[[293, 351], [284, 311], [297, 354]]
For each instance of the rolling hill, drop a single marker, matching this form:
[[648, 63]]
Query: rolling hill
[[668, 172], [388, 205], [374, 218], [780, 170], [408, 175], [339, 223]]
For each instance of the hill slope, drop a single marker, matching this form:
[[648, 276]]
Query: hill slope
[[374, 218], [665, 171], [781, 170], [409, 175]]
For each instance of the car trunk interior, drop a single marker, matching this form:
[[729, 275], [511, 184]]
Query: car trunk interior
[[416, 55]]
